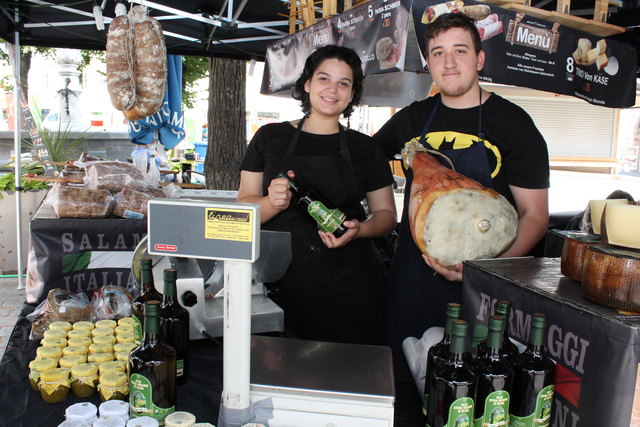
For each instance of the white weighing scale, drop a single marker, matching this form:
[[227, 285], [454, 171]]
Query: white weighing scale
[[293, 383]]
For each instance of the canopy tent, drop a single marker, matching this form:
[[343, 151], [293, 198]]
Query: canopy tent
[[237, 29]]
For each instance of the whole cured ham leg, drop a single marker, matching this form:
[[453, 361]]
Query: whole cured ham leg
[[454, 218]]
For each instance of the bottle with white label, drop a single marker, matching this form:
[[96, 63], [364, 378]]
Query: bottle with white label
[[452, 387], [532, 396]]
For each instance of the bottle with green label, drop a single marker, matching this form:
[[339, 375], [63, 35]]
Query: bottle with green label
[[147, 292], [534, 372], [439, 352], [152, 369], [509, 350], [495, 380], [329, 220], [174, 325], [452, 386]]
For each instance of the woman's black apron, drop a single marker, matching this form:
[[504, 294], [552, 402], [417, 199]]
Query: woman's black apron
[[416, 298], [328, 294]]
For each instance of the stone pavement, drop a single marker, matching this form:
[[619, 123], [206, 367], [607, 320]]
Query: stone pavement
[[11, 301]]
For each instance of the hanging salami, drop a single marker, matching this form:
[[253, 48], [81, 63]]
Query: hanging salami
[[136, 64]]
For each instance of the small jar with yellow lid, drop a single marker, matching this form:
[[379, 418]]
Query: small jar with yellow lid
[[65, 326], [101, 348], [54, 385], [102, 331], [69, 362], [84, 379], [54, 342], [113, 385], [75, 333], [124, 329], [106, 323], [48, 352], [82, 341], [104, 339], [100, 357], [122, 356], [126, 337], [124, 346], [55, 333], [126, 321], [83, 325], [36, 367], [75, 350], [116, 365]]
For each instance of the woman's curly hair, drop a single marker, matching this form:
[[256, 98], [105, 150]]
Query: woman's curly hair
[[344, 54]]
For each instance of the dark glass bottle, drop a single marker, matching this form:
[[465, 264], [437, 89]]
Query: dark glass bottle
[[174, 325], [152, 370], [439, 352], [495, 379], [533, 388], [147, 292], [452, 386], [509, 350], [328, 220]]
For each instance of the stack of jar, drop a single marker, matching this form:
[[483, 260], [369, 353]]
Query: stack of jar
[[83, 357], [500, 386]]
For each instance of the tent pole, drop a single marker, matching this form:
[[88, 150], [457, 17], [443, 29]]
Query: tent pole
[[17, 146]]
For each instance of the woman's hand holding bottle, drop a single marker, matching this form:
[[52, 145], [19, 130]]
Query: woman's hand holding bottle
[[279, 194]]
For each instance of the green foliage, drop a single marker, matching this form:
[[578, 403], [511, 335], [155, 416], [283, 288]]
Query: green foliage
[[63, 144], [194, 68], [8, 180]]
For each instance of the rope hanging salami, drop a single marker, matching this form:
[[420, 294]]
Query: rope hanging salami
[[136, 64]]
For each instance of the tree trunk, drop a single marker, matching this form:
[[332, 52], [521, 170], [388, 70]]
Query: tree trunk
[[227, 123], [25, 66]]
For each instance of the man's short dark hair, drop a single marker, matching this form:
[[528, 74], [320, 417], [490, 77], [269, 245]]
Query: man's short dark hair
[[344, 54], [453, 20]]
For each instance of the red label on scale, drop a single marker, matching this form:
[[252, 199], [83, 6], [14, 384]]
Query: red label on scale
[[171, 248]]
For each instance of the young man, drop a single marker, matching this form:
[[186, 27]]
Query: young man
[[490, 140]]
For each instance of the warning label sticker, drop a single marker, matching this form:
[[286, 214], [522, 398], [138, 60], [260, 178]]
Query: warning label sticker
[[228, 224]]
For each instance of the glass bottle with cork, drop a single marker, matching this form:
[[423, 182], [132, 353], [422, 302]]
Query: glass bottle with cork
[[328, 220], [147, 292], [509, 350], [152, 367], [174, 325]]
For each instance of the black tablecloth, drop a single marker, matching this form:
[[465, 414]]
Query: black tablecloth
[[21, 406]]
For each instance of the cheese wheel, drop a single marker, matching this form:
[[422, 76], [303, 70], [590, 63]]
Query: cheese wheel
[[623, 225], [597, 206]]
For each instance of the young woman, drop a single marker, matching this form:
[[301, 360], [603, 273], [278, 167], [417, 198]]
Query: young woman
[[332, 290]]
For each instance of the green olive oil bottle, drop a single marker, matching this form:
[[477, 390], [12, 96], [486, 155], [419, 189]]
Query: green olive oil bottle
[[147, 292], [152, 368]]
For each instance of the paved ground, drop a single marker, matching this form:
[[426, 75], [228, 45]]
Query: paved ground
[[11, 301]]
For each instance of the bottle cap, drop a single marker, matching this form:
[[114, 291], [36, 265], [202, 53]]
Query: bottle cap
[[151, 308], [459, 328], [143, 422], [49, 352], [106, 323], [55, 333], [114, 408], [76, 333], [126, 321], [454, 310], [82, 341], [66, 326], [113, 379], [54, 375], [54, 342], [104, 339], [124, 346], [40, 365], [146, 263], [81, 411], [71, 361], [170, 275], [84, 325], [116, 365], [538, 320], [496, 323], [84, 370], [100, 357], [503, 307]]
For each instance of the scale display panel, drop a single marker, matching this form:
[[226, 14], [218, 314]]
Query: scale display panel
[[204, 229]]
